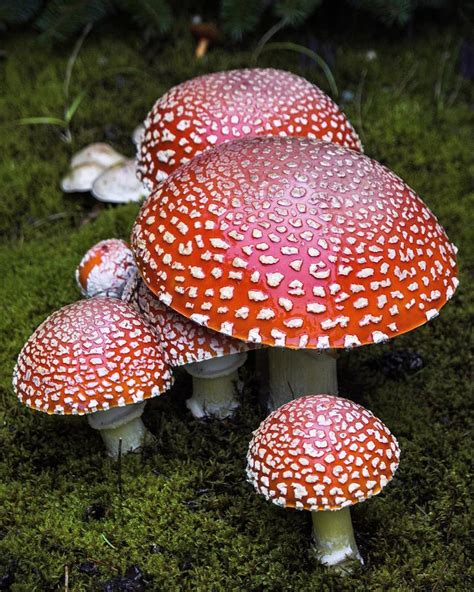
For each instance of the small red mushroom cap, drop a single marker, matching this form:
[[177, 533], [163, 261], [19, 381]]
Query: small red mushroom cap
[[294, 243], [209, 110], [321, 453], [90, 356], [105, 269], [183, 341]]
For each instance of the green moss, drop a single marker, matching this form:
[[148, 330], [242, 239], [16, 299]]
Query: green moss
[[187, 517]]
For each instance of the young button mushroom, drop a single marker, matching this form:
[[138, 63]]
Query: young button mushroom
[[105, 269], [80, 178], [212, 109], [88, 164], [297, 244], [212, 359], [323, 454], [100, 153], [97, 357], [119, 184]]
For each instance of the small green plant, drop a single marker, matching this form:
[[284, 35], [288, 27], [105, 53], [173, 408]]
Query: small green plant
[[70, 106]]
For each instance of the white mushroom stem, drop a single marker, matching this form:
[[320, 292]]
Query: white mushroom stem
[[296, 373], [121, 423], [214, 386], [334, 542]]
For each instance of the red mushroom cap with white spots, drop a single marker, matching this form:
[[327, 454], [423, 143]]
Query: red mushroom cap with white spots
[[209, 110], [183, 341], [295, 243], [321, 453], [90, 356], [105, 268]]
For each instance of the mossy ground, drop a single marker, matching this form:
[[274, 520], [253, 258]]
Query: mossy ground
[[186, 517]]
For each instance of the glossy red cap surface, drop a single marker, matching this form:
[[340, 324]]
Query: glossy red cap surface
[[209, 110], [90, 356], [321, 453], [294, 243]]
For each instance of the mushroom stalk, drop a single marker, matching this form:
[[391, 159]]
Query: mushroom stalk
[[214, 386], [202, 47], [294, 373], [121, 423], [334, 542]]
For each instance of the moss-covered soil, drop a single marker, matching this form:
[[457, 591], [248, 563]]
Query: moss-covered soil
[[186, 517]]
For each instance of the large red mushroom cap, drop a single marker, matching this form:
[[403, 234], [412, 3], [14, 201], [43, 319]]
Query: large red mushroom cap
[[295, 243], [182, 340], [90, 356], [321, 453], [215, 108], [105, 268]]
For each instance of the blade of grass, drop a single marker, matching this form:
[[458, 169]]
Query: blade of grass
[[266, 38], [438, 88], [74, 106], [72, 60], [308, 52], [107, 542], [42, 121], [360, 88]]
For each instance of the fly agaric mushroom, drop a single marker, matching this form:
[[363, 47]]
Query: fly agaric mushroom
[[97, 357], [211, 358], [323, 454], [105, 269], [296, 244], [88, 164], [119, 184], [212, 109]]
